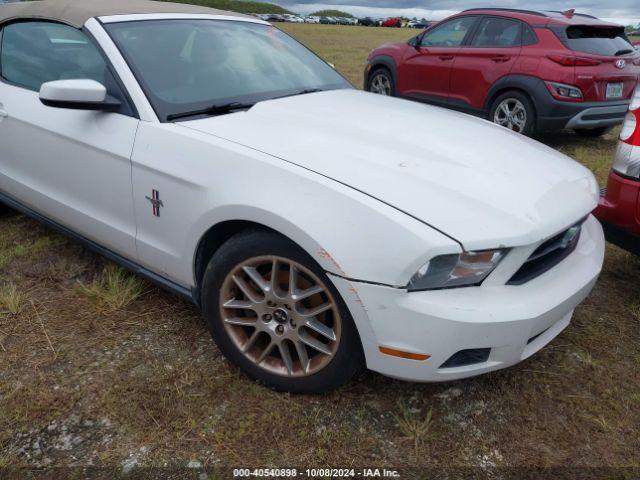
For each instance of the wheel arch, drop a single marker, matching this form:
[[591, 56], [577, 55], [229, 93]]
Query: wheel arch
[[525, 84], [381, 61], [217, 229], [213, 239]]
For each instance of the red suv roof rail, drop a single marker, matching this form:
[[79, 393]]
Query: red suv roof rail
[[512, 10]]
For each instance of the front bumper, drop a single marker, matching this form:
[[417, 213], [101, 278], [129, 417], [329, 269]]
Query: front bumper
[[513, 321]]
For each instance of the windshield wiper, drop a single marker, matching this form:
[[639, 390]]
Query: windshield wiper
[[212, 110], [623, 52], [301, 92]]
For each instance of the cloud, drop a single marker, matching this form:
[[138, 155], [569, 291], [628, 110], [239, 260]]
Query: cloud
[[621, 11]]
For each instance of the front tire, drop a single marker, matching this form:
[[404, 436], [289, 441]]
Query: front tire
[[275, 314], [381, 82], [514, 110]]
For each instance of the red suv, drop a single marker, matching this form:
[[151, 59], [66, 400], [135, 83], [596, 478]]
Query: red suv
[[526, 70], [392, 22], [619, 208]]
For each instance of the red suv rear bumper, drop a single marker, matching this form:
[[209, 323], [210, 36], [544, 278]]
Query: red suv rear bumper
[[557, 115], [619, 212]]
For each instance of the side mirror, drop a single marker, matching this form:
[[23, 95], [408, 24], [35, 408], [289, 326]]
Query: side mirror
[[78, 95]]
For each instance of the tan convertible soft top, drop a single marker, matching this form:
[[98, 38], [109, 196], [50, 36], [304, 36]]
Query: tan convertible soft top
[[77, 12]]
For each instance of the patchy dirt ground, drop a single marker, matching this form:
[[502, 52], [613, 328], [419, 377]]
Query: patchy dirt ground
[[101, 370]]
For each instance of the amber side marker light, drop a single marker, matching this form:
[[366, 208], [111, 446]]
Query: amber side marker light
[[399, 353]]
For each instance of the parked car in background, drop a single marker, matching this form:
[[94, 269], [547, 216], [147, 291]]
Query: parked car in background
[[312, 19], [619, 207], [392, 22], [368, 22], [292, 18], [275, 17], [421, 24], [350, 257], [525, 70]]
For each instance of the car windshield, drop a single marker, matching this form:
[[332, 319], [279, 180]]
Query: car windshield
[[192, 65]]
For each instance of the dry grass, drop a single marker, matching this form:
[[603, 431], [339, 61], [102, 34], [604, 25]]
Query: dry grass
[[117, 373], [112, 290], [11, 299], [414, 427]]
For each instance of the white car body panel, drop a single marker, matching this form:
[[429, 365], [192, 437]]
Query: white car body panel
[[371, 187], [72, 166], [206, 180], [504, 187]]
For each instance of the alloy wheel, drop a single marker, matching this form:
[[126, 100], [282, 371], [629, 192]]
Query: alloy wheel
[[280, 316], [381, 84], [511, 114]]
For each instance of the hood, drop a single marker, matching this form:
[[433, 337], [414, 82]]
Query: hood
[[479, 183]]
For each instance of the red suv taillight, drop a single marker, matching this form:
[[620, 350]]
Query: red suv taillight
[[572, 61], [627, 159], [560, 91]]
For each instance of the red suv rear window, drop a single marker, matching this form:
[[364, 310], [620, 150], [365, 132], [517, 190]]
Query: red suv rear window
[[610, 41]]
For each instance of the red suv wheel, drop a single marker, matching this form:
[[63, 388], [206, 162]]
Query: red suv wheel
[[514, 110]]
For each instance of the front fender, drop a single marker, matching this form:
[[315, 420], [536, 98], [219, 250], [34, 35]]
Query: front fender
[[205, 180]]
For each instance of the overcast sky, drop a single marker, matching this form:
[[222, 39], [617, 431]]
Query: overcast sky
[[622, 11]]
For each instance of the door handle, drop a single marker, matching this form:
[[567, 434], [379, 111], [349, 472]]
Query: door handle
[[445, 57], [501, 58]]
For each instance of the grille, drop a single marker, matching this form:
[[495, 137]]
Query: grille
[[548, 255], [464, 358]]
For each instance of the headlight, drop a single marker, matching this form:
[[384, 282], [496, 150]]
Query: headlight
[[457, 270]]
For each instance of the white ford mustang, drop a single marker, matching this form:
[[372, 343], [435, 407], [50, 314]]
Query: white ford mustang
[[318, 227]]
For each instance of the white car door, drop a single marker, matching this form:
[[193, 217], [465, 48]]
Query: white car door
[[72, 166]]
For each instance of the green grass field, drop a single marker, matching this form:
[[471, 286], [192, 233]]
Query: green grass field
[[100, 368]]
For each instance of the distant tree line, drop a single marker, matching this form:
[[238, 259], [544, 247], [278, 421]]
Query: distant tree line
[[331, 13], [240, 6]]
